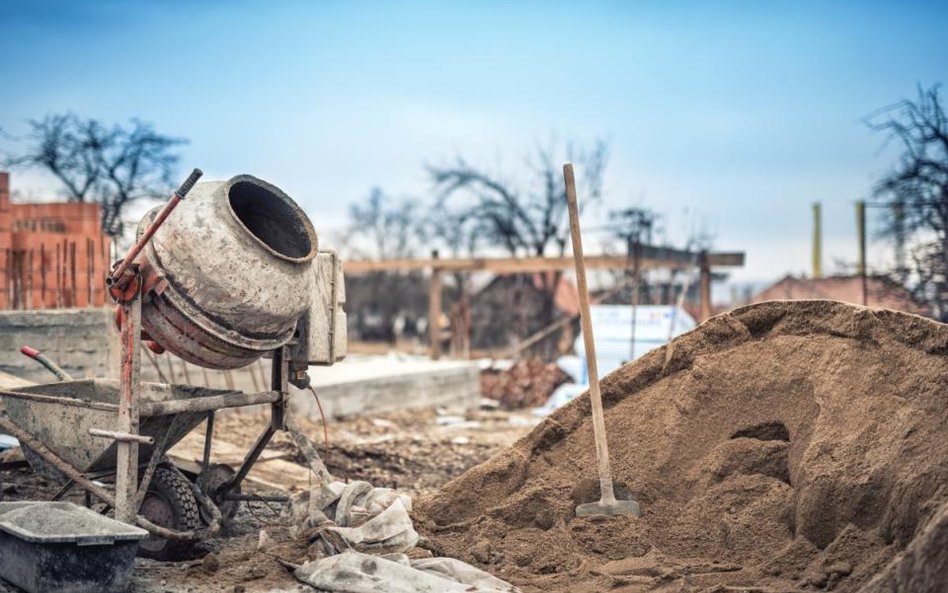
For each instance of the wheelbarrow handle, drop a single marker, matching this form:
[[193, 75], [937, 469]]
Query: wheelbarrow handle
[[46, 362]]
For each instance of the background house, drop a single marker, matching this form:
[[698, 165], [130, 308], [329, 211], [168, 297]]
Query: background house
[[880, 292], [513, 307]]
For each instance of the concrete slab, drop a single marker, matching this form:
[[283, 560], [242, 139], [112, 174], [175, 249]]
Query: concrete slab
[[373, 384], [83, 341]]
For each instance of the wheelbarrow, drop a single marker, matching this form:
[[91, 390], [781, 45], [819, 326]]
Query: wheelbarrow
[[59, 428]]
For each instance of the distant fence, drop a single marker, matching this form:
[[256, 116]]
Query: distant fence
[[62, 275]]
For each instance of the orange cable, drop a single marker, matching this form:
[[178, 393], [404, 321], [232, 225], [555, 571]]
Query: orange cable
[[323, 416]]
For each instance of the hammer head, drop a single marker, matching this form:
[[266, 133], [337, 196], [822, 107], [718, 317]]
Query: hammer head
[[613, 507]]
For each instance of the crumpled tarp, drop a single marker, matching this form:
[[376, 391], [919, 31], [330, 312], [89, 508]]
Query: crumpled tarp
[[346, 523], [355, 516], [354, 572], [367, 519]]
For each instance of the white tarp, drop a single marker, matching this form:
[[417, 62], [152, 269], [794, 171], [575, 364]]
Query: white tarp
[[354, 572], [655, 325], [355, 518]]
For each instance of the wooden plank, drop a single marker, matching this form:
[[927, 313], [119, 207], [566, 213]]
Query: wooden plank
[[734, 258], [705, 288], [434, 314], [651, 258], [272, 470]]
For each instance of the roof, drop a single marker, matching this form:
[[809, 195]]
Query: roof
[[880, 292]]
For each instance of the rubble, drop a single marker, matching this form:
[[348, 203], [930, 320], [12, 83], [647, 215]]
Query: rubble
[[527, 383]]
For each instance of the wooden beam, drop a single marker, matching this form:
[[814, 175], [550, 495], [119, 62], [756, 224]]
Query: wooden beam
[[434, 310], [705, 267], [731, 259], [650, 258]]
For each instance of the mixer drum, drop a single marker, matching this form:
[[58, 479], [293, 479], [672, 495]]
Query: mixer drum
[[235, 258]]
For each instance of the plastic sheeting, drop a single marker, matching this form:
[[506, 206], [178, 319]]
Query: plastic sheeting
[[354, 520], [354, 572]]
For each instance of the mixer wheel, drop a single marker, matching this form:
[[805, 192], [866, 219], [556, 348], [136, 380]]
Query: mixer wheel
[[169, 503], [211, 483]]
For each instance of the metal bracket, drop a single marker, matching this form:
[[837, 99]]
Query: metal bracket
[[123, 437]]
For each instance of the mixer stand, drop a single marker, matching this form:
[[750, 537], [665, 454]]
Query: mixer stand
[[58, 424]]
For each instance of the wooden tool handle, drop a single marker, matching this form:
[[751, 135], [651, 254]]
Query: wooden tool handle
[[595, 398]]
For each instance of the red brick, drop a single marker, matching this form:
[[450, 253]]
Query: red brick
[[28, 231]]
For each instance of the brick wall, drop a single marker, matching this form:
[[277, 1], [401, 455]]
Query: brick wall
[[52, 255]]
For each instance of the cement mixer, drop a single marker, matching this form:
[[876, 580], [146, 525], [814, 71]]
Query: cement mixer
[[229, 275], [237, 268]]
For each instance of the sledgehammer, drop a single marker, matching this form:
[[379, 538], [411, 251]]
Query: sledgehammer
[[608, 504]]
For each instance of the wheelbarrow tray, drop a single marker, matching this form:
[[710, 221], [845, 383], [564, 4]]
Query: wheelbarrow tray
[[65, 428]]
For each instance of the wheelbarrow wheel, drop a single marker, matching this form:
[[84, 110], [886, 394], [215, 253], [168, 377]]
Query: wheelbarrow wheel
[[170, 503]]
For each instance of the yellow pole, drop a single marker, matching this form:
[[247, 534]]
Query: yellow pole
[[817, 241], [861, 233]]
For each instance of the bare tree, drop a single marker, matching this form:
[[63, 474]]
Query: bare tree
[[916, 192], [382, 227], [526, 220], [384, 303], [114, 165], [476, 210]]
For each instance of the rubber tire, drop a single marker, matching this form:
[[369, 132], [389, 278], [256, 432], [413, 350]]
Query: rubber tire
[[219, 474], [172, 488]]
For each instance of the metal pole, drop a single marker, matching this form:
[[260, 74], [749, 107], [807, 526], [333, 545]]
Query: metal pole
[[72, 274], [279, 382], [29, 282], [42, 276], [126, 479], [208, 439], [136, 249], [90, 271]]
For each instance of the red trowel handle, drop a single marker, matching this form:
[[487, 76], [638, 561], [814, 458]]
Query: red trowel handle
[[46, 362]]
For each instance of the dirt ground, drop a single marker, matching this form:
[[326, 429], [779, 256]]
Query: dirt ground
[[780, 448], [416, 451]]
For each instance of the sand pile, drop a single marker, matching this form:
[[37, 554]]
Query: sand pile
[[787, 445]]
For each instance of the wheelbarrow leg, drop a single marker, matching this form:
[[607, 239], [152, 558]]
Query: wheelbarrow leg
[[156, 455], [126, 480], [64, 490], [208, 439], [262, 441]]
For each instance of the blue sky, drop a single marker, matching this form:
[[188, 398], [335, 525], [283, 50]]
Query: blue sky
[[735, 115]]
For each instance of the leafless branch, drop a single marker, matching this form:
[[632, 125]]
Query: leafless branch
[[112, 165]]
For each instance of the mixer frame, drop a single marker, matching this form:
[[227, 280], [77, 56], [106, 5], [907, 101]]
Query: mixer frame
[[130, 284]]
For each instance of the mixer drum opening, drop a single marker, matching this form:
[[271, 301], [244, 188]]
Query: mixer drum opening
[[236, 261], [278, 224]]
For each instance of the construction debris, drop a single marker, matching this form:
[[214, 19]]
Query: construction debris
[[527, 383], [353, 572], [782, 447]]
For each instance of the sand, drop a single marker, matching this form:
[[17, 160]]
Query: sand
[[784, 446]]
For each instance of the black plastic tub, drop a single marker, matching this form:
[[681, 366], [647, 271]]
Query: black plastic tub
[[59, 547]]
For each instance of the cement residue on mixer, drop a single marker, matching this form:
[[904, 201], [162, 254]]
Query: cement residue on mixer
[[786, 446]]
